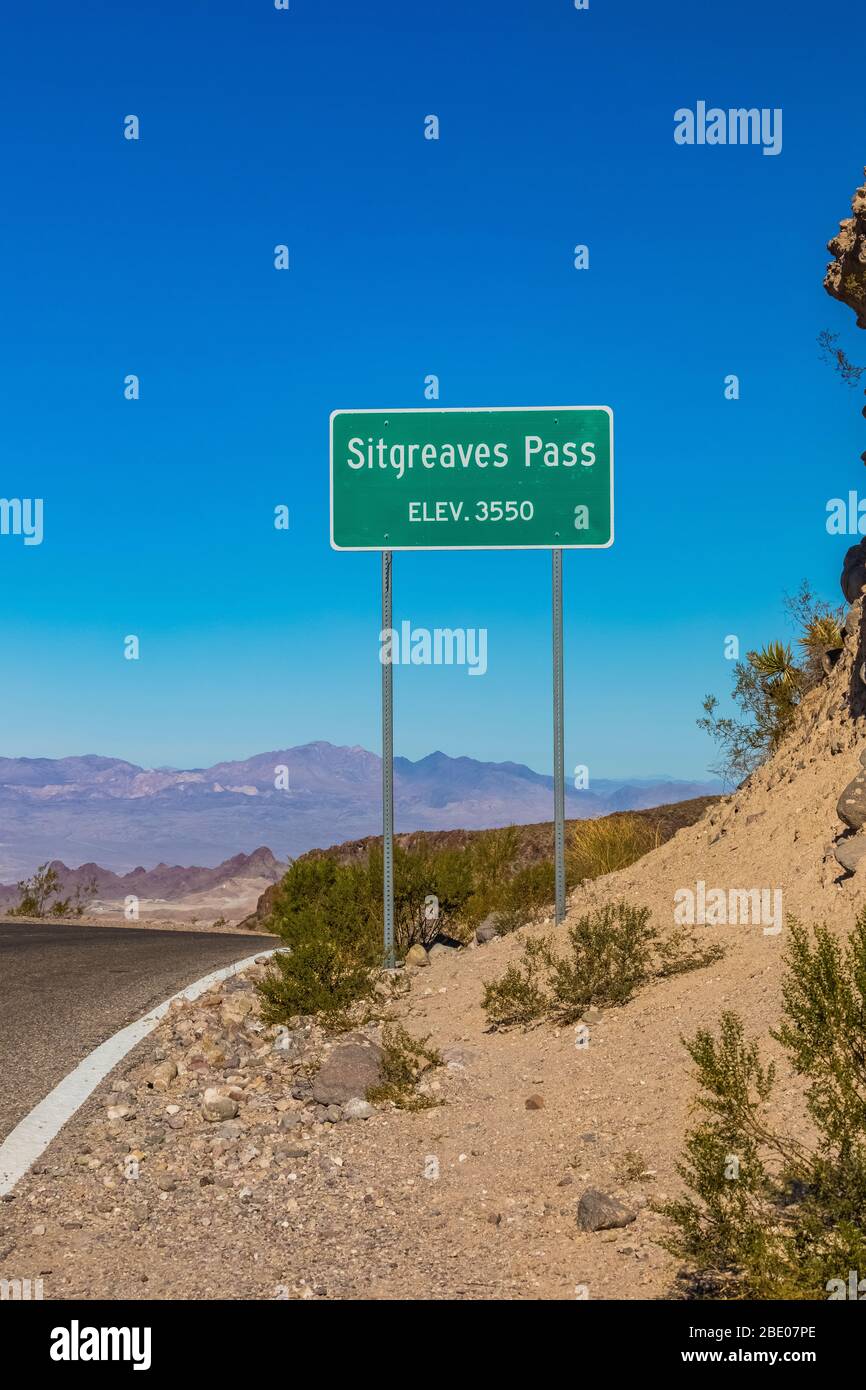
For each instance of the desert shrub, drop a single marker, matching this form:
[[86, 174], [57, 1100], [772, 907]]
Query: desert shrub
[[598, 847], [325, 915], [766, 1216], [610, 953], [519, 998], [406, 1060], [768, 688], [321, 977], [35, 894], [524, 896], [420, 876]]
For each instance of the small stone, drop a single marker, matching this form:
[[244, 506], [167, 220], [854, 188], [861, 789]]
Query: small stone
[[235, 1009], [358, 1109], [598, 1211], [120, 1112], [162, 1076], [534, 1103], [216, 1106], [416, 955], [486, 930]]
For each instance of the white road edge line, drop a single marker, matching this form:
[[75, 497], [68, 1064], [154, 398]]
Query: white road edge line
[[35, 1132]]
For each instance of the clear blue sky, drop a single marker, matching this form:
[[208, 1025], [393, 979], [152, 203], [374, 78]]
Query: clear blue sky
[[409, 257]]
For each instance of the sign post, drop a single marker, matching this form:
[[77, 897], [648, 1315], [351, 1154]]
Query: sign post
[[515, 478], [388, 764], [558, 743]]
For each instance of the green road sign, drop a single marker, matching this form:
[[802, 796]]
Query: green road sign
[[510, 479]]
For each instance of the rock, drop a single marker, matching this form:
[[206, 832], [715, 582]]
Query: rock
[[333, 1114], [486, 930], [120, 1112], [163, 1075], [851, 806], [231, 1130], [350, 1070], [234, 1010], [598, 1211], [851, 851], [288, 1121], [216, 1106], [416, 955], [863, 757], [534, 1103], [357, 1109], [853, 573], [844, 277]]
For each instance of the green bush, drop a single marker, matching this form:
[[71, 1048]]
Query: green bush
[[406, 1060], [324, 914], [319, 977], [770, 1217], [610, 953], [519, 998]]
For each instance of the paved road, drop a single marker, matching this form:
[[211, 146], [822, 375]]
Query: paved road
[[64, 990]]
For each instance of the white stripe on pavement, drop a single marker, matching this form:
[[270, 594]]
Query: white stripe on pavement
[[35, 1132]]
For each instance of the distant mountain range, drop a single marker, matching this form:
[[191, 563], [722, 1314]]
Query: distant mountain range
[[112, 813], [246, 874]]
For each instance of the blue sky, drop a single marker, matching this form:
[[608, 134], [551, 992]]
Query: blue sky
[[409, 257]]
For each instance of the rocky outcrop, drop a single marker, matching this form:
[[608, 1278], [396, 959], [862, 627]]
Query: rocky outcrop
[[845, 279]]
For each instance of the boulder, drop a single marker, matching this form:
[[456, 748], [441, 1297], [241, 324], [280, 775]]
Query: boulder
[[853, 574], [851, 806], [598, 1211], [850, 852], [348, 1072]]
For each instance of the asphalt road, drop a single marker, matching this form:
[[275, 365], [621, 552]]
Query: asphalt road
[[65, 989]]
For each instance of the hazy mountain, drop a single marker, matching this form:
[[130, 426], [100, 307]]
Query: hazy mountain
[[166, 882], [113, 813]]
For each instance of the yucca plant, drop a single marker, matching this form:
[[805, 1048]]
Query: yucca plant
[[822, 634], [776, 663]]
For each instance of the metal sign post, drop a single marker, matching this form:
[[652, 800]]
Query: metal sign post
[[388, 763], [558, 741]]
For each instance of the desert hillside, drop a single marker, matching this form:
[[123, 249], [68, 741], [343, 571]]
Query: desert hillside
[[260, 1170]]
